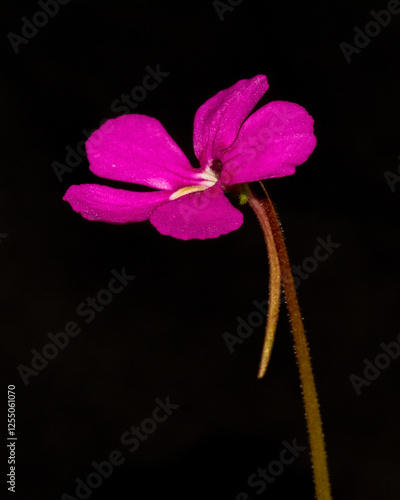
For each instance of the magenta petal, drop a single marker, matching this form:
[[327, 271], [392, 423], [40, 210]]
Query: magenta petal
[[200, 215], [218, 120], [271, 143], [137, 148], [118, 206]]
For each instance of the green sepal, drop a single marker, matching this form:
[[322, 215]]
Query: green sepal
[[244, 193]]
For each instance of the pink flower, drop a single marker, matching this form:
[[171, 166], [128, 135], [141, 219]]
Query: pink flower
[[231, 146]]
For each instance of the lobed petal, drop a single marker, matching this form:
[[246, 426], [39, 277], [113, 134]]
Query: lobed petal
[[137, 148], [218, 120], [117, 206], [200, 215], [271, 143]]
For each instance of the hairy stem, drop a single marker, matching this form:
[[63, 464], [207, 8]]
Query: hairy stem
[[310, 398]]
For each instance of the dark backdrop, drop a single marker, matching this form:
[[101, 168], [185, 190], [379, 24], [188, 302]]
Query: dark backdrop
[[162, 336]]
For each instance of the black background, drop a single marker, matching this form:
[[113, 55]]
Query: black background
[[162, 336]]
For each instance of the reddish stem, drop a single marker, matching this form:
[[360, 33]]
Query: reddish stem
[[270, 224]]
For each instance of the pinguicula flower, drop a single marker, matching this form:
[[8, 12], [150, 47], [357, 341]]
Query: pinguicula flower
[[232, 148]]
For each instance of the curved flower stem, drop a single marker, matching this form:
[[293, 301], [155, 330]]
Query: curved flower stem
[[274, 282], [310, 398]]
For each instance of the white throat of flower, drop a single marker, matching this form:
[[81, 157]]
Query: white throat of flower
[[208, 179]]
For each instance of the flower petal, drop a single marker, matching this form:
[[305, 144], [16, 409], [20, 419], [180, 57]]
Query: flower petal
[[137, 148], [271, 143], [200, 215], [118, 206], [218, 120]]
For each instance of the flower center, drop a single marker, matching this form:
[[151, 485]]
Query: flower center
[[216, 167], [207, 178]]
